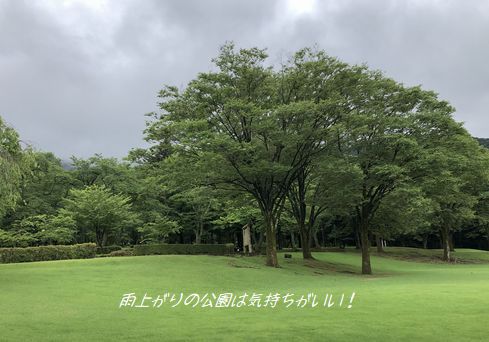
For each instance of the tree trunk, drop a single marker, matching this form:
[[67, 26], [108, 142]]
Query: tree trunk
[[271, 241], [292, 240], [198, 233], [425, 241], [366, 268], [104, 239], [306, 243], [358, 243], [100, 237], [259, 242], [450, 242], [445, 244], [379, 244], [315, 238]]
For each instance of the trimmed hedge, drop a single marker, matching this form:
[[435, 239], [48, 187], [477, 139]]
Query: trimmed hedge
[[122, 252], [108, 249], [44, 253], [263, 250], [212, 249]]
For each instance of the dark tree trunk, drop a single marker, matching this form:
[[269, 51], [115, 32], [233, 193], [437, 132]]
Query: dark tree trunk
[[366, 268], [100, 237], [259, 242], [271, 231], [316, 241], [444, 233], [292, 240], [306, 243], [425, 241], [450, 242], [378, 243], [358, 243], [104, 239], [198, 233]]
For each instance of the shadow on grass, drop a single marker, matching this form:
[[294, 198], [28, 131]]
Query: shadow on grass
[[433, 256], [298, 265]]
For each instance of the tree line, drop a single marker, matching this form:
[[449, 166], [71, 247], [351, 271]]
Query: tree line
[[313, 152]]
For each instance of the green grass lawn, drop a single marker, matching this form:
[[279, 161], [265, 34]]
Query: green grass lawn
[[78, 300]]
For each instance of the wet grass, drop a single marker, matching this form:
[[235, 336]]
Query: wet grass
[[78, 300]]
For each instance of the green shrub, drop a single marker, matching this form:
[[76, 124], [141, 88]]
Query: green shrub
[[108, 249], [212, 249], [44, 253], [122, 252]]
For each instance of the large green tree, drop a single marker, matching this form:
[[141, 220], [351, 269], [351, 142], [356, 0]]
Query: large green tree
[[458, 184], [389, 134], [253, 125]]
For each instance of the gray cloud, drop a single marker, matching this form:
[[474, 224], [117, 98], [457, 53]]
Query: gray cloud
[[77, 76]]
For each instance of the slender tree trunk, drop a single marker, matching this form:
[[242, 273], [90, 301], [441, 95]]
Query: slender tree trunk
[[305, 234], [292, 240], [358, 243], [99, 236], [445, 243], [271, 240], [315, 238], [198, 233], [366, 268], [450, 242], [425, 241], [379, 244], [260, 239], [104, 239], [98, 240], [259, 242]]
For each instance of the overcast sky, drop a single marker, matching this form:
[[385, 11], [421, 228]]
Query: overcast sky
[[77, 77]]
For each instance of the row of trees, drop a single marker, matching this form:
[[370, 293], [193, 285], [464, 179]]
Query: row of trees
[[314, 145]]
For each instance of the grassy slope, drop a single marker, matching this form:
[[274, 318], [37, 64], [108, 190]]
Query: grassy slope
[[78, 300]]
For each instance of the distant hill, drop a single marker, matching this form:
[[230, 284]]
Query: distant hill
[[67, 165], [483, 141]]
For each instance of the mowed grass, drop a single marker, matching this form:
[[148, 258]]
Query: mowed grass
[[78, 300]]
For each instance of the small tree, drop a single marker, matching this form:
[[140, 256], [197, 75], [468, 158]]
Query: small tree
[[99, 214]]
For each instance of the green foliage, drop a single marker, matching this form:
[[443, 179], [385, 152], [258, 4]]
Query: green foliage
[[108, 249], [159, 230], [405, 211], [14, 239], [251, 128], [47, 229], [43, 189], [108, 172], [45, 253], [212, 249], [99, 214], [122, 252], [14, 164]]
